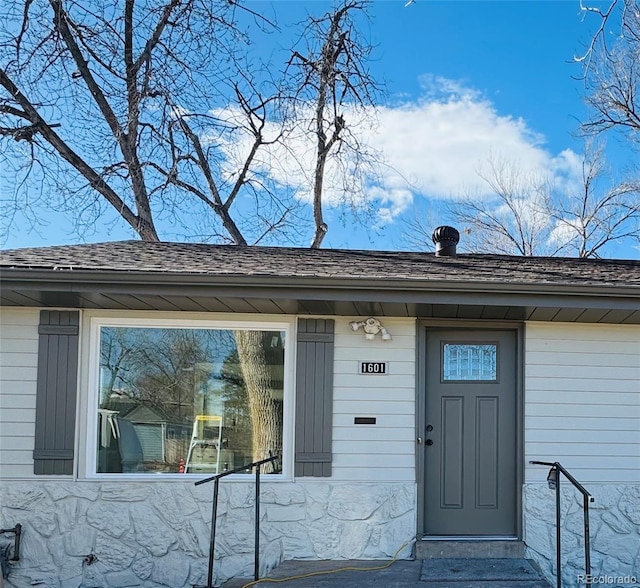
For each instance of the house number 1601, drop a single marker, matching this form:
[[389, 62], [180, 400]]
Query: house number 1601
[[373, 367]]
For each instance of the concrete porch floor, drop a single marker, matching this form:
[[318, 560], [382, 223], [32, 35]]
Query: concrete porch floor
[[441, 573]]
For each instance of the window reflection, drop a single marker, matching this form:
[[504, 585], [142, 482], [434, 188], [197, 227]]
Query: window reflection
[[188, 400]]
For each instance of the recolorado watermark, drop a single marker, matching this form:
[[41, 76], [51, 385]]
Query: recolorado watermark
[[610, 579]]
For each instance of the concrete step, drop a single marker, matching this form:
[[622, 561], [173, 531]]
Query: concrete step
[[481, 573], [470, 549]]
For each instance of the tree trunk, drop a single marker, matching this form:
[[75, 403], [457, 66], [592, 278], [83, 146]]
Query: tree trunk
[[265, 410]]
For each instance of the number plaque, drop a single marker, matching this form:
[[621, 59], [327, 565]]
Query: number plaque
[[374, 368]]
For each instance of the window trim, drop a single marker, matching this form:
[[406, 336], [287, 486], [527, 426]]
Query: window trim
[[89, 394]]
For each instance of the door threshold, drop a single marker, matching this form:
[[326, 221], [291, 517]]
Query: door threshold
[[469, 538]]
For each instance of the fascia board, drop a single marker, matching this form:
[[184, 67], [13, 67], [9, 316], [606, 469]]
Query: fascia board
[[309, 288]]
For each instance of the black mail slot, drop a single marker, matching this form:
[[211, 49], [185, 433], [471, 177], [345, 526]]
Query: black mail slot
[[364, 420]]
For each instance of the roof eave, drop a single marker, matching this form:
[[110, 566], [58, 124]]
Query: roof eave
[[78, 281]]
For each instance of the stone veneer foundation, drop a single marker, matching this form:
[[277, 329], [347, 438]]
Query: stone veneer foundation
[[614, 520], [156, 534]]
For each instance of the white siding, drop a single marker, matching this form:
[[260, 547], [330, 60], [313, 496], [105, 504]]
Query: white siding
[[582, 400], [384, 451], [18, 371]]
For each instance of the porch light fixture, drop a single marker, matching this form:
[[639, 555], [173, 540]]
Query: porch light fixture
[[371, 328]]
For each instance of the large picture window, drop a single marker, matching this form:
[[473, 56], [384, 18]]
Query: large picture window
[[188, 400]]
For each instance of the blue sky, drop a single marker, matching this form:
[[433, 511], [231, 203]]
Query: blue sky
[[464, 81], [516, 52]]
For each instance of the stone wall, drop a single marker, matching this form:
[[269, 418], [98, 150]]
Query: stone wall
[[156, 534], [614, 531]]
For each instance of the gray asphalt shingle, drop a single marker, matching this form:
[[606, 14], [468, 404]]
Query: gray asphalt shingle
[[229, 260]]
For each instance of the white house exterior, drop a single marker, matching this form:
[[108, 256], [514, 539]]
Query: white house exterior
[[368, 489]]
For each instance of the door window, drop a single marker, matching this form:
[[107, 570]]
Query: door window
[[469, 362]]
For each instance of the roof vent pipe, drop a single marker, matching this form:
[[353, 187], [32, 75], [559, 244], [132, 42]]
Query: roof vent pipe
[[445, 238]]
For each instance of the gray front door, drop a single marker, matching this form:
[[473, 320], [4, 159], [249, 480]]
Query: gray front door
[[470, 435]]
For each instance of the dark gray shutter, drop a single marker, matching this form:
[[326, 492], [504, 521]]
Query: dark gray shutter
[[56, 392], [314, 397]]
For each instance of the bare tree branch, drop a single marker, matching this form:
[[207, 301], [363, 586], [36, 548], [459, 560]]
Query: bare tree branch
[[145, 54], [203, 163], [46, 130], [526, 214], [514, 220], [126, 141], [332, 74], [596, 216], [157, 108], [599, 36], [612, 70]]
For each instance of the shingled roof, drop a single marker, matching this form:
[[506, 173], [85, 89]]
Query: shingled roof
[[138, 275], [285, 262]]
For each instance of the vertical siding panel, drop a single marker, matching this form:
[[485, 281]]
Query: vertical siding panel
[[306, 398], [56, 392], [319, 418], [301, 413], [309, 388], [314, 397], [71, 397], [327, 408], [57, 433], [41, 407]]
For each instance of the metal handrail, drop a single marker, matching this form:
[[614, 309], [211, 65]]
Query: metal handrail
[[214, 512], [553, 479]]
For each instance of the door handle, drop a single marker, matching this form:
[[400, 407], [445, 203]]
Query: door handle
[[429, 442], [419, 440]]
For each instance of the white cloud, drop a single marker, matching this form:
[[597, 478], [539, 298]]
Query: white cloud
[[564, 231], [439, 147], [566, 172], [441, 89], [432, 147], [392, 202]]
